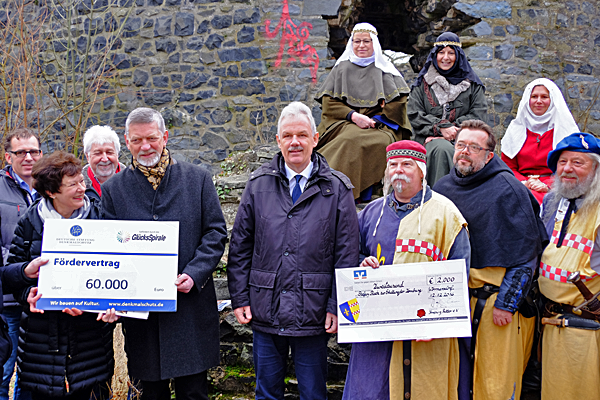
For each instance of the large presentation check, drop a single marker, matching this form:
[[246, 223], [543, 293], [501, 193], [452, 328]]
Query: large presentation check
[[403, 302], [96, 265]]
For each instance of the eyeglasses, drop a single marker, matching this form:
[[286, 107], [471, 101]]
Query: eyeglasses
[[473, 148], [359, 41], [23, 153]]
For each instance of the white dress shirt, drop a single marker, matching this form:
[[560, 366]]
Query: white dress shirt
[[291, 175]]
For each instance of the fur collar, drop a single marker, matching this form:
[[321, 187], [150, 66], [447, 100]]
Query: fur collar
[[444, 91]]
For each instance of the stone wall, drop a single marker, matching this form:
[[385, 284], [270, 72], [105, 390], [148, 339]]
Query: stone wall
[[221, 70], [509, 43], [518, 41]]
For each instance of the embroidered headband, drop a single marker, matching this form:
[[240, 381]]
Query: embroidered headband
[[364, 30], [408, 149], [448, 44]]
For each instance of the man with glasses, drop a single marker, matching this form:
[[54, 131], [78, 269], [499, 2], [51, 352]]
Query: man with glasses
[[507, 237], [21, 151]]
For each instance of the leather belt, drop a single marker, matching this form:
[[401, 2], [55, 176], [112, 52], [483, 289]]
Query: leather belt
[[553, 308], [484, 292]]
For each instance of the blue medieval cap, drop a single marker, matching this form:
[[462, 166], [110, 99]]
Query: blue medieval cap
[[580, 142]]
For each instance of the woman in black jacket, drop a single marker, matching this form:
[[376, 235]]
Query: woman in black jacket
[[66, 354]]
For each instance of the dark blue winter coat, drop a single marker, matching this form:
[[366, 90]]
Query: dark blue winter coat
[[282, 256]]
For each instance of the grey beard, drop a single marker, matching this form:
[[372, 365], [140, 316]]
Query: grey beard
[[150, 163], [397, 187], [397, 182], [99, 172], [575, 190], [471, 169]]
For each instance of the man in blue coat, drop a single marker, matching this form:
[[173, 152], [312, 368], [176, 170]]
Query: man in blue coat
[[182, 345], [296, 223]]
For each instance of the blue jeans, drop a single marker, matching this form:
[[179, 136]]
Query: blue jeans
[[12, 315], [309, 354]]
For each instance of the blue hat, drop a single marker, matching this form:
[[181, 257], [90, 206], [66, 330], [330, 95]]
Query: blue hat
[[580, 142]]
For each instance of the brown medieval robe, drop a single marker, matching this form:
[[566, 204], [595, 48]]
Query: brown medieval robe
[[360, 153]]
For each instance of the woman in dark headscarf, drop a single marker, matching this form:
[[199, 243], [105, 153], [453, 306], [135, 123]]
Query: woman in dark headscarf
[[446, 93], [364, 110]]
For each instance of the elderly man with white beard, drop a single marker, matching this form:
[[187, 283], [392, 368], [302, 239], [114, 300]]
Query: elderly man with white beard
[[571, 213], [101, 147], [412, 224], [507, 237]]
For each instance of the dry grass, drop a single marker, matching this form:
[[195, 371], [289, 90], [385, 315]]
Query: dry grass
[[120, 381]]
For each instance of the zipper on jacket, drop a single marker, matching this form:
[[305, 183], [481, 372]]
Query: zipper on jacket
[[18, 210]]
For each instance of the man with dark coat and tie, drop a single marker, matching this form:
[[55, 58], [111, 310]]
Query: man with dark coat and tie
[[295, 225]]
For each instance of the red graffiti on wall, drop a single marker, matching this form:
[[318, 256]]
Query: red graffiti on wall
[[294, 37]]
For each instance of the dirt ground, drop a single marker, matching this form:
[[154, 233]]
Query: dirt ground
[[120, 379]]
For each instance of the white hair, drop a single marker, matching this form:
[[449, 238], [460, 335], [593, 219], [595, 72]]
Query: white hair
[[100, 135], [297, 109], [144, 115]]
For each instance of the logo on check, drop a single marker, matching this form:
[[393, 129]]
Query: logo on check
[[360, 274], [123, 236]]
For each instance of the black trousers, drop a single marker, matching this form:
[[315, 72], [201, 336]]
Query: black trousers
[[191, 387]]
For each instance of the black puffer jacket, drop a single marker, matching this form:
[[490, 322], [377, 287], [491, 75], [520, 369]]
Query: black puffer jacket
[[58, 354]]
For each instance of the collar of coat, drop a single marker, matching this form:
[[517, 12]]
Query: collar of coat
[[444, 90], [321, 170]]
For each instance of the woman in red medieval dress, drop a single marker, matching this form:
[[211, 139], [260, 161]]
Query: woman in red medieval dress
[[543, 120]]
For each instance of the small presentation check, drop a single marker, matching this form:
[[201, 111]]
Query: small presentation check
[[427, 300], [96, 265]]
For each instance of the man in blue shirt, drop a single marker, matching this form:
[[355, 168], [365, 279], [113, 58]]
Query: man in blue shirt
[[21, 151]]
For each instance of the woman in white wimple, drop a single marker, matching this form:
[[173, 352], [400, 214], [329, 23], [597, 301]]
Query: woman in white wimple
[[364, 110], [543, 119]]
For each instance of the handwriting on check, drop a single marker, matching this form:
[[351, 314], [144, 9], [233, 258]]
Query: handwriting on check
[[388, 289]]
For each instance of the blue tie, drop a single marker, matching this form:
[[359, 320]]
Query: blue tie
[[297, 191]]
